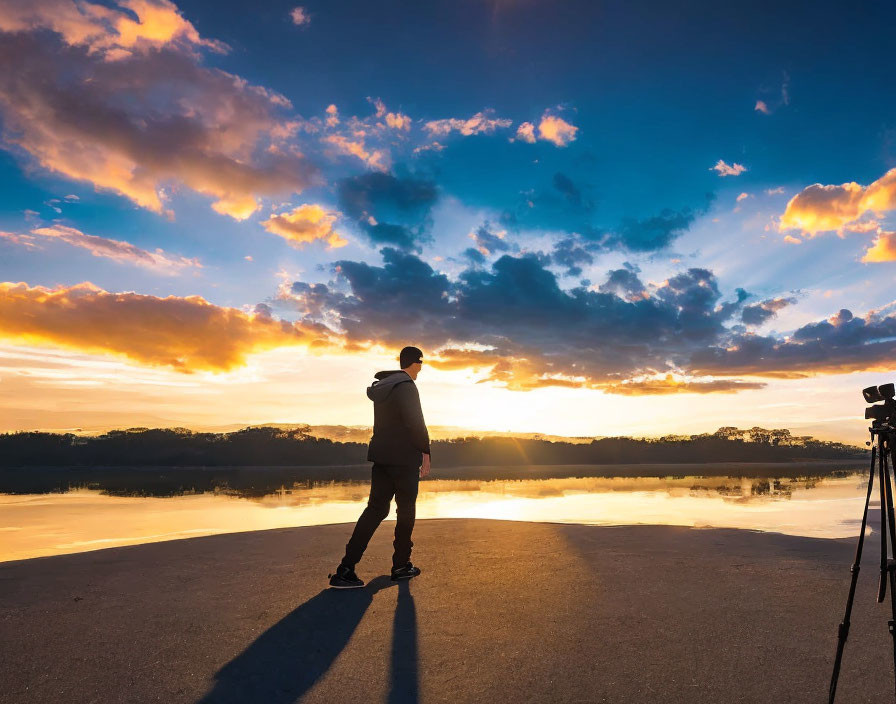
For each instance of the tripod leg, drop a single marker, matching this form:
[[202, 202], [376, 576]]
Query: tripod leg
[[891, 624], [891, 518], [891, 564], [843, 630], [884, 515]]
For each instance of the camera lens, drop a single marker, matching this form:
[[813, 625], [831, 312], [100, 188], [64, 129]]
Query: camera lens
[[872, 395]]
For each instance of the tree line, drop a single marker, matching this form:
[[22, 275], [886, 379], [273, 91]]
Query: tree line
[[273, 447]]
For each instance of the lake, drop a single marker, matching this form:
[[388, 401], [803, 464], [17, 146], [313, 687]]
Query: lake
[[88, 518]]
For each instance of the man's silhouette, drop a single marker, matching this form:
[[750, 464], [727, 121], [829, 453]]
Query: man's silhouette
[[399, 450]]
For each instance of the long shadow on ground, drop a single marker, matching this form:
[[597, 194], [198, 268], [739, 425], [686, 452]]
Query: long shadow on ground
[[285, 662], [404, 685]]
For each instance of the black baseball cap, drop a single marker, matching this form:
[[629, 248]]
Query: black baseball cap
[[409, 356]]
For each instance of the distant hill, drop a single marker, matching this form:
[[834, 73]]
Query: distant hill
[[359, 433], [835, 430]]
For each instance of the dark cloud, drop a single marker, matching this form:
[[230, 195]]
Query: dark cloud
[[652, 233], [759, 313], [376, 193], [263, 310], [403, 299], [571, 192], [571, 255], [730, 308], [517, 307], [390, 209], [567, 207], [388, 233], [625, 282], [474, 255], [316, 301], [844, 343], [562, 204], [513, 319], [491, 241], [647, 234]]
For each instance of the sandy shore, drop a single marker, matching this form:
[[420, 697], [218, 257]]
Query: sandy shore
[[504, 611]]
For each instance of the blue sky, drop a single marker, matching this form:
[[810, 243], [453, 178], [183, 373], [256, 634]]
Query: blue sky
[[579, 203]]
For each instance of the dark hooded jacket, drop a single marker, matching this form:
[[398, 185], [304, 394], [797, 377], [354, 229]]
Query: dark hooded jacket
[[399, 431]]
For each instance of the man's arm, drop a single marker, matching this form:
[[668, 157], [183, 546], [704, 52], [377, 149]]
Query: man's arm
[[412, 416]]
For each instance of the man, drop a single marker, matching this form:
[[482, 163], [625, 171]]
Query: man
[[399, 450]]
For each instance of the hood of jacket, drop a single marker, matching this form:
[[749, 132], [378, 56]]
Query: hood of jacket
[[380, 389]]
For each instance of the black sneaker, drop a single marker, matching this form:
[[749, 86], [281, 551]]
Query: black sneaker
[[405, 572], [345, 578]]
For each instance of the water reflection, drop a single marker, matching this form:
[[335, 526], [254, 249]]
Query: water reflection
[[260, 481], [33, 525]]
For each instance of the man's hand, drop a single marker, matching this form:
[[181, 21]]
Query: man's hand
[[425, 467]]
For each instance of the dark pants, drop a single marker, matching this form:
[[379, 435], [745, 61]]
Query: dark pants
[[387, 480]]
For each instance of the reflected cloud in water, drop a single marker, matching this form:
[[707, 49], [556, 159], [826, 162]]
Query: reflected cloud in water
[[87, 519]]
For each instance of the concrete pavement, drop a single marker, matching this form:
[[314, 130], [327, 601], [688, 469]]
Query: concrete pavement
[[506, 611]]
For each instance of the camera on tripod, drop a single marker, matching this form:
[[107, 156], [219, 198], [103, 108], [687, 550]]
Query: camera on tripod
[[883, 454], [881, 413]]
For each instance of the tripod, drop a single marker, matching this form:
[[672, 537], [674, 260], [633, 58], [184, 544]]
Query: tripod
[[883, 439]]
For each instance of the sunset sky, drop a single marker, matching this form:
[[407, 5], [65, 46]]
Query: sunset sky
[[594, 218]]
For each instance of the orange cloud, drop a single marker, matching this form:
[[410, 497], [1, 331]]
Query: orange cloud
[[158, 23], [725, 169], [451, 359], [481, 123], [515, 373], [18, 238], [526, 132], [116, 97], [395, 120], [398, 121], [307, 223], [188, 334], [556, 130], [332, 115], [670, 385], [375, 159], [299, 16], [520, 374], [883, 249], [111, 31], [819, 208], [512, 372], [117, 250]]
